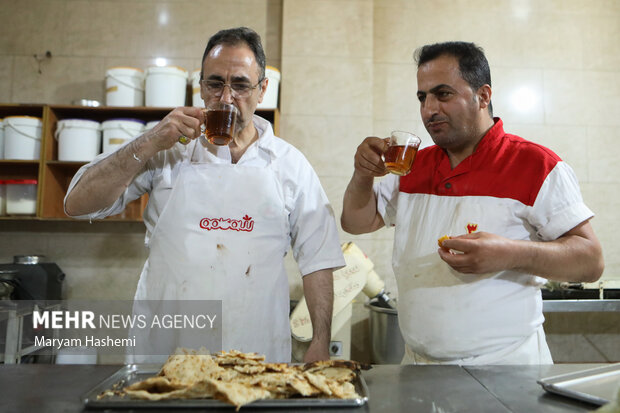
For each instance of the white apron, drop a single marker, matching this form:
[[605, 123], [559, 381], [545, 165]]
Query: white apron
[[448, 317], [222, 236]]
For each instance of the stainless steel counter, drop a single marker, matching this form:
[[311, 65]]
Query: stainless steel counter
[[580, 306], [392, 388]]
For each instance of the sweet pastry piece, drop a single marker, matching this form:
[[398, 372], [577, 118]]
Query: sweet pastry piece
[[441, 240]]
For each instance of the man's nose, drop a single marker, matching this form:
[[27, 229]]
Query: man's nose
[[429, 107], [227, 96]]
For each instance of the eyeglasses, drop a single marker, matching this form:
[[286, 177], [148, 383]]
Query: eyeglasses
[[215, 88]]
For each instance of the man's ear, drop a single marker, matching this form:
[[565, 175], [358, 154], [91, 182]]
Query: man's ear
[[484, 96], [263, 89]]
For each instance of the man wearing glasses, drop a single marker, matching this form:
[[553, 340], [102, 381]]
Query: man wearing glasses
[[220, 219]]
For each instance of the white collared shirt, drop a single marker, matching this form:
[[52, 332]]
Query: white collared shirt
[[313, 232]]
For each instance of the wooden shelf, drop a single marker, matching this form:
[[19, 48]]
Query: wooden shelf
[[54, 176]]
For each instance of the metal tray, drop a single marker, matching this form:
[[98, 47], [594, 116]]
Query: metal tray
[[136, 372], [597, 386]]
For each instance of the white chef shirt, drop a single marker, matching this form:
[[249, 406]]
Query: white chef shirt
[[312, 228], [509, 187]]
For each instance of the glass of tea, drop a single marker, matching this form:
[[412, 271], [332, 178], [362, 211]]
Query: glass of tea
[[401, 151], [220, 123]]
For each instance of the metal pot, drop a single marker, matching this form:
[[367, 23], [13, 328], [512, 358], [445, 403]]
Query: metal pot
[[387, 344]]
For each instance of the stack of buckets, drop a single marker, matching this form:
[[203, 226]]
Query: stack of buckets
[[79, 140], [166, 87], [159, 87]]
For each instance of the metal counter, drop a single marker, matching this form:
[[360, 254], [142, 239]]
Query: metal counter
[[392, 388], [581, 306]]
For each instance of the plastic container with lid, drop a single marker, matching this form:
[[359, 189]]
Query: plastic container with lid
[[21, 196], [1, 138], [196, 98], [78, 139], [22, 137], [118, 131], [124, 86], [270, 100], [150, 125], [165, 86]]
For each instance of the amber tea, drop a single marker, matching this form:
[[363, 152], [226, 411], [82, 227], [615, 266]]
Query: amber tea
[[399, 159], [220, 126], [401, 152]]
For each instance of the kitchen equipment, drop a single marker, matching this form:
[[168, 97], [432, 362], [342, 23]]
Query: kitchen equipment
[[598, 386], [133, 373], [86, 102], [387, 343], [165, 86], [22, 137], [124, 86], [357, 276], [79, 140], [8, 280], [35, 278]]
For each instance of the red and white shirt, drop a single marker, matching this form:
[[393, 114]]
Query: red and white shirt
[[509, 187]]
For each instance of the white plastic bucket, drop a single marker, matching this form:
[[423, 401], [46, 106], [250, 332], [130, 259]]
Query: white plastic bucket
[[1, 138], [124, 86], [118, 131], [270, 100], [22, 137], [150, 125], [165, 86], [78, 139], [196, 99]]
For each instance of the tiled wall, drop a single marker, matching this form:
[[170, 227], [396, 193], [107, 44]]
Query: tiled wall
[[85, 38], [347, 73]]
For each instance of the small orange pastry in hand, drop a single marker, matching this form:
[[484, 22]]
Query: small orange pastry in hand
[[441, 240]]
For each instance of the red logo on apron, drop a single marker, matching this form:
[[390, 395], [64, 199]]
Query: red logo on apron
[[471, 228], [244, 224]]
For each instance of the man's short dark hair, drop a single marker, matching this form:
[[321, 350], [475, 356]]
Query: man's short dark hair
[[473, 64], [234, 37]]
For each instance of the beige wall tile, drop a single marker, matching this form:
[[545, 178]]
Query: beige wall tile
[[602, 199], [170, 29], [101, 283], [394, 41], [6, 78], [394, 91], [518, 95], [329, 142], [30, 27], [562, 97], [272, 40], [601, 37], [603, 165], [62, 80], [602, 90], [327, 28], [326, 86]]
